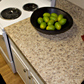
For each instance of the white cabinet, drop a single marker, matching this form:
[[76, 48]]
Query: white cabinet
[[23, 68], [20, 67]]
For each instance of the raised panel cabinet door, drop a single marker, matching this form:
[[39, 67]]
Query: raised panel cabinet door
[[20, 67]]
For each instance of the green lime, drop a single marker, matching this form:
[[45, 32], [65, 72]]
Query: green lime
[[53, 18], [60, 17], [46, 19], [46, 14], [54, 14], [43, 25], [57, 25], [50, 27], [62, 21], [40, 20], [50, 22]]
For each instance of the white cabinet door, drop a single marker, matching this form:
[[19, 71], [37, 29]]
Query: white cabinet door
[[21, 68]]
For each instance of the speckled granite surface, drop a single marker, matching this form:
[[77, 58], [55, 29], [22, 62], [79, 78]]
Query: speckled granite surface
[[58, 59], [75, 11]]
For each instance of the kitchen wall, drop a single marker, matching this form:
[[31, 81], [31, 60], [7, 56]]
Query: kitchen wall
[[79, 3]]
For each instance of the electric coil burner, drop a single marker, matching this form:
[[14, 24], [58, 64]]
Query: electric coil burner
[[10, 13], [30, 7]]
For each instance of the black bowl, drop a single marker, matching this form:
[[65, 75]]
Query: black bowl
[[39, 13]]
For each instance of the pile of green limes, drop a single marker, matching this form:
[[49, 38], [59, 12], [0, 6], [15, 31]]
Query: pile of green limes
[[51, 21]]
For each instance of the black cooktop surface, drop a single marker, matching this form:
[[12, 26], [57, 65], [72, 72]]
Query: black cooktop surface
[[30, 6], [10, 13]]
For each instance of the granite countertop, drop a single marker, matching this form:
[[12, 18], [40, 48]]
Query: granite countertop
[[58, 59]]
